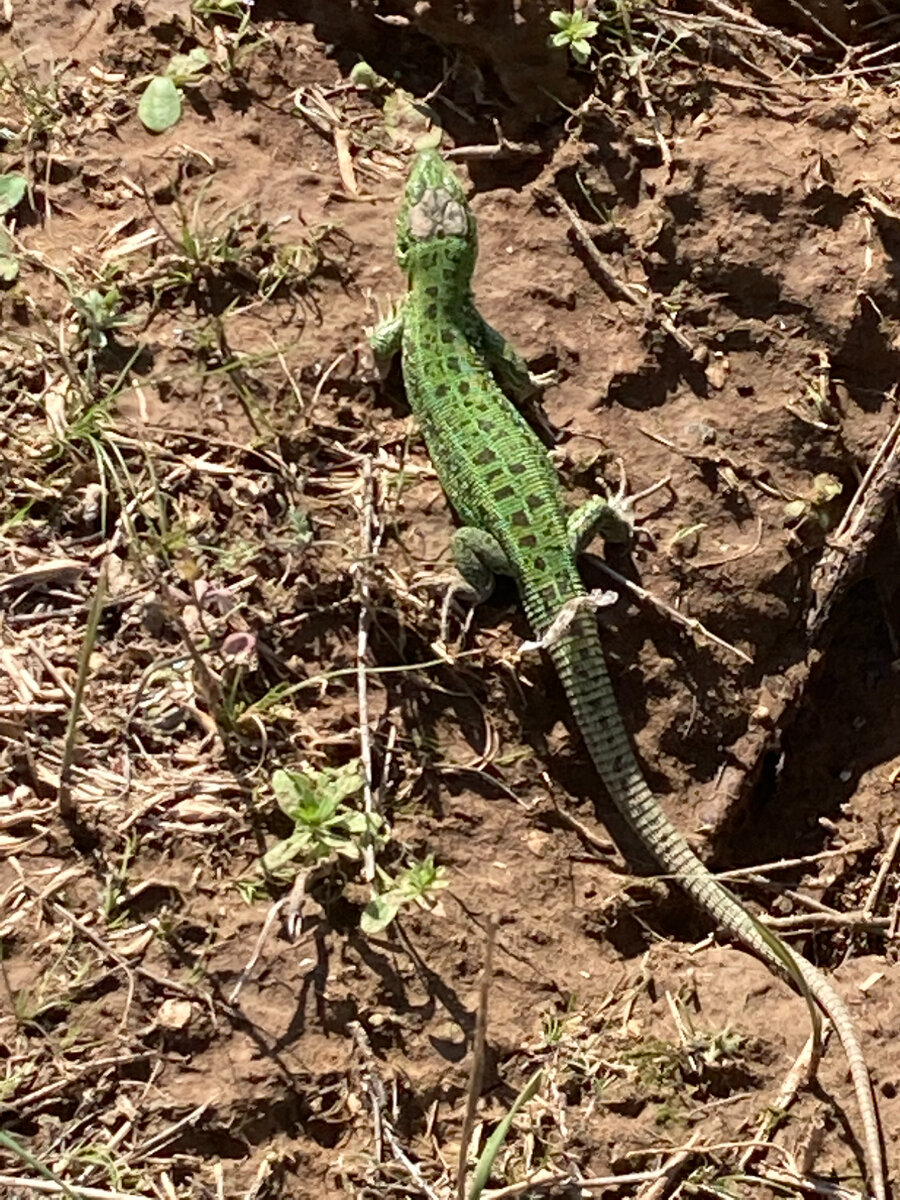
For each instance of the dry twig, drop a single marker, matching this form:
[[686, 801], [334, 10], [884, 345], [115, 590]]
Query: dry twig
[[849, 546], [478, 1047]]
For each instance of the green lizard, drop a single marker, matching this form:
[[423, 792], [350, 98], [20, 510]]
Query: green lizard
[[458, 373]]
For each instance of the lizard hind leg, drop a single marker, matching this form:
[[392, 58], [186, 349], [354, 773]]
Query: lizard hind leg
[[611, 519], [479, 558]]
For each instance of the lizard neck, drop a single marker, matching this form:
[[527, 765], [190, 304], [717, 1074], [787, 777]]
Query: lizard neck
[[441, 294]]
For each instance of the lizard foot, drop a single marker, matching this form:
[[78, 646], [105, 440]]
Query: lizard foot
[[462, 599], [610, 516]]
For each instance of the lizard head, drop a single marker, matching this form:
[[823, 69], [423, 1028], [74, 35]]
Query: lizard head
[[436, 229]]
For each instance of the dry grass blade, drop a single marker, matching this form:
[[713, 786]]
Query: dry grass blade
[[477, 1068], [50, 1187], [64, 796], [486, 1160]]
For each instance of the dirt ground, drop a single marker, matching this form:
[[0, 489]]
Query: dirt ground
[[222, 555]]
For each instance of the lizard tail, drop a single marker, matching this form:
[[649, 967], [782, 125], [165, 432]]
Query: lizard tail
[[579, 660]]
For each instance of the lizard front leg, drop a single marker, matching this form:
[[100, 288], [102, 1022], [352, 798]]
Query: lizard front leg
[[507, 365], [387, 334]]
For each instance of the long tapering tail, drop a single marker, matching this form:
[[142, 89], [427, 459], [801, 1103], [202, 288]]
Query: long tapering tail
[[579, 660]]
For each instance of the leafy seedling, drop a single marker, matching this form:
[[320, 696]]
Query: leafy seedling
[[325, 825], [573, 32], [232, 41], [416, 885], [160, 104], [821, 503], [98, 314]]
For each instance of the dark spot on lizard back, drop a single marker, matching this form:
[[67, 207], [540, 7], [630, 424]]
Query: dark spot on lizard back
[[505, 492], [529, 541], [540, 563], [485, 456], [441, 390], [463, 387], [536, 500], [517, 468], [433, 291], [431, 312], [520, 519], [446, 335], [453, 363]]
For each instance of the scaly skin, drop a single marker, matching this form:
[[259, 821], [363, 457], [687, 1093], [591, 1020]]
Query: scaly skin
[[499, 479]]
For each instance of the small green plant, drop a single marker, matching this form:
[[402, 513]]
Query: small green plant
[[227, 257], [329, 829], [235, 37], [416, 885], [820, 503], [98, 314], [573, 32], [251, 890], [326, 826], [33, 106], [115, 888], [159, 107], [707, 1064]]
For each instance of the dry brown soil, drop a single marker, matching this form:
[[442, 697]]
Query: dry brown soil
[[235, 424]]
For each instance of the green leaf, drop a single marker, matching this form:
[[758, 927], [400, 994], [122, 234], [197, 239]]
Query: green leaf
[[362, 75], [379, 913], [560, 19], [581, 52], [160, 105], [183, 67], [9, 264], [795, 509], [483, 1167], [347, 849], [288, 789], [294, 846], [12, 190], [344, 781], [355, 822], [825, 487], [190, 243]]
